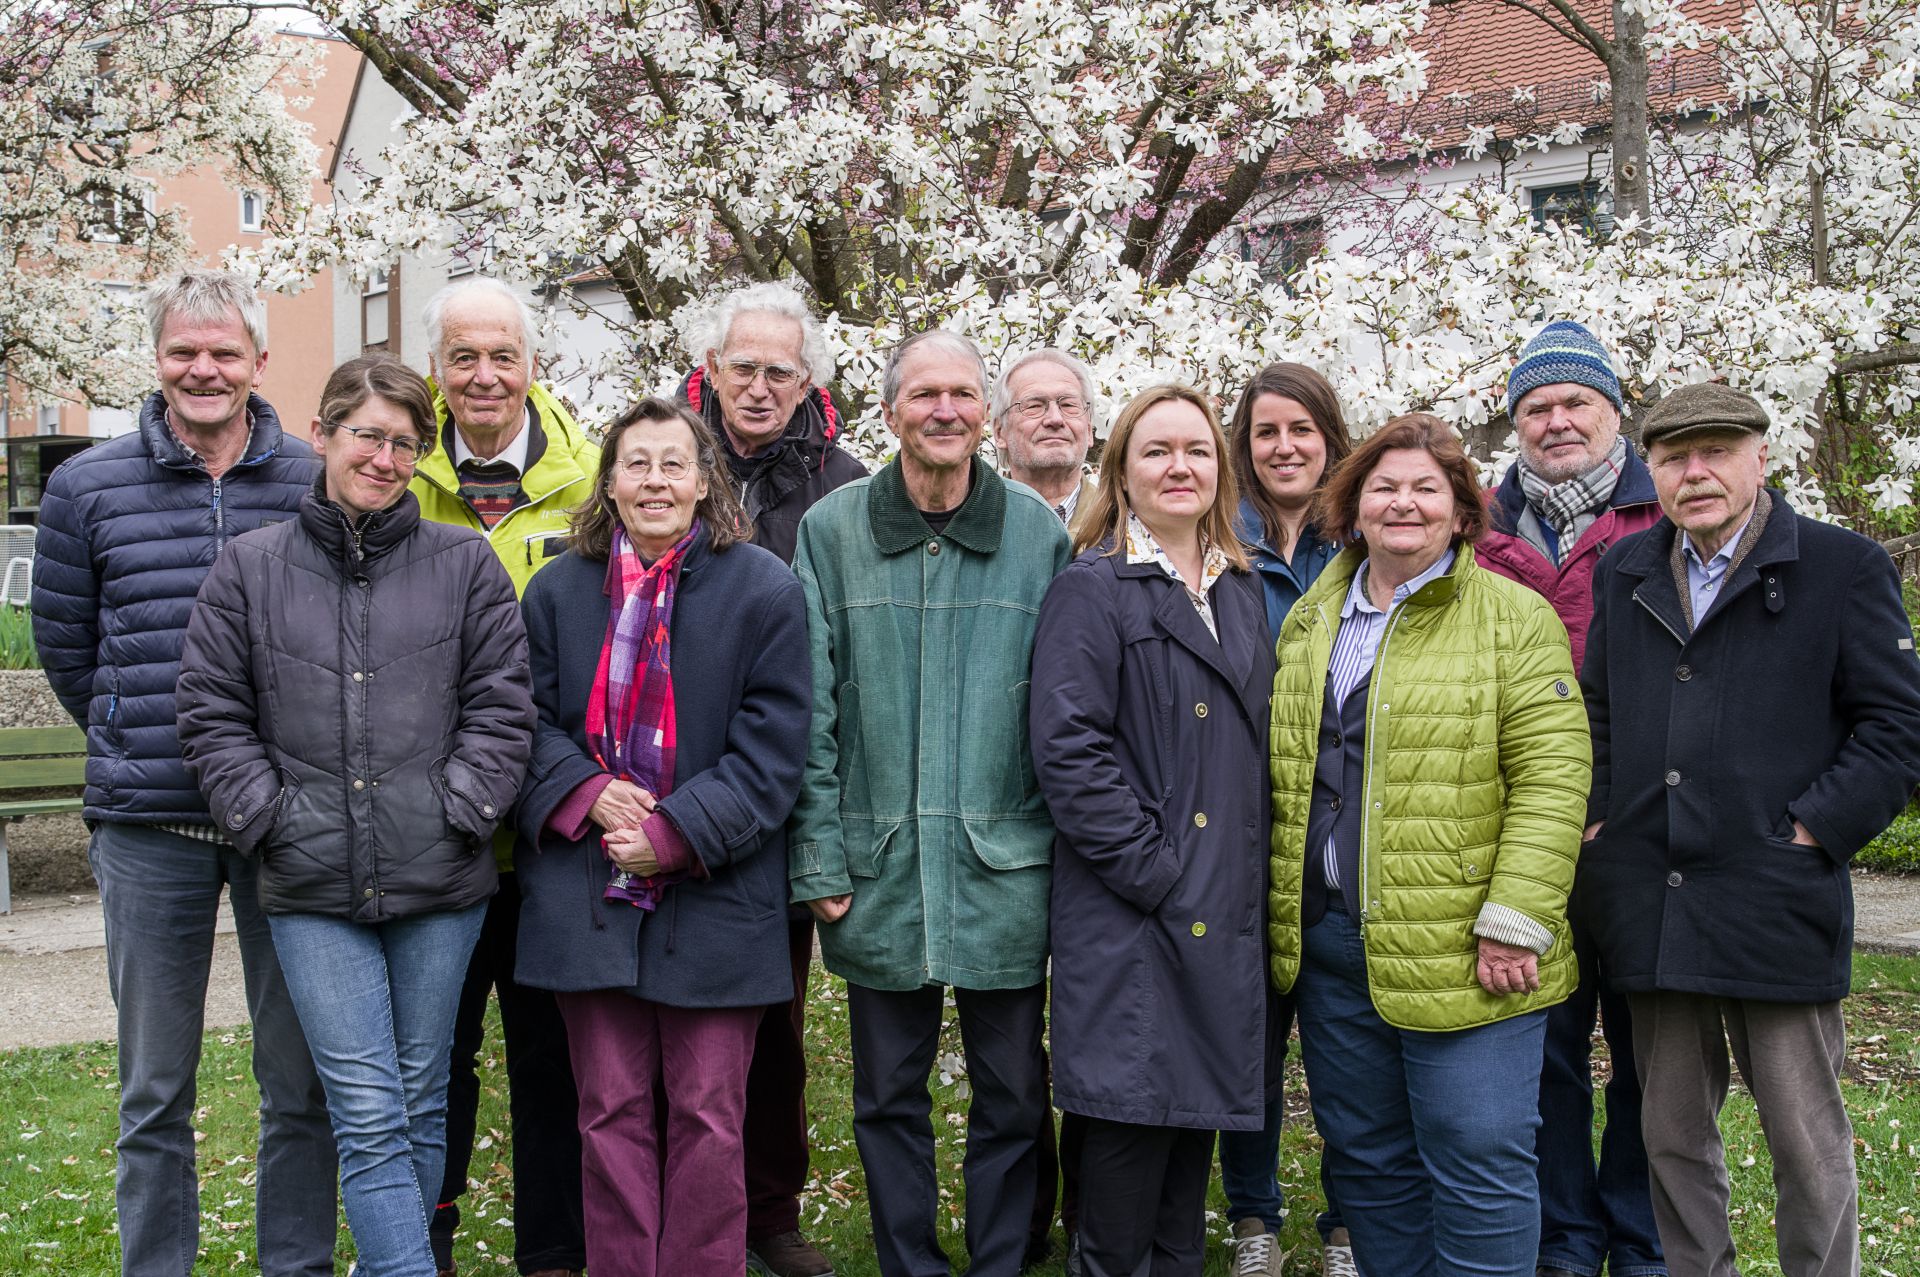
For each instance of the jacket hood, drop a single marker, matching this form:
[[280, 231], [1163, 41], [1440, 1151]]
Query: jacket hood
[[167, 450]]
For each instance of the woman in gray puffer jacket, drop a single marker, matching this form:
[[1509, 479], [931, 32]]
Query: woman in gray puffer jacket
[[354, 702]]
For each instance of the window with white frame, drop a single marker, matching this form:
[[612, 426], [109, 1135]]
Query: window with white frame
[[253, 211]]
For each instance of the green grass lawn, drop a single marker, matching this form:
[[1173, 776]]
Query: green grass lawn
[[57, 1125]]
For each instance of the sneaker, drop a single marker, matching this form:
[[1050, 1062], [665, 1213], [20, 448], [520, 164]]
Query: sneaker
[[1256, 1252], [1336, 1257], [787, 1255]]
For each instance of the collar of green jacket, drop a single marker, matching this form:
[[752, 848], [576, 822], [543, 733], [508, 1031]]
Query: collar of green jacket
[[1338, 579], [552, 470], [897, 524]]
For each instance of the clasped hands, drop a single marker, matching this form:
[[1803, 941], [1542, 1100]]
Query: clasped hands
[[619, 810]]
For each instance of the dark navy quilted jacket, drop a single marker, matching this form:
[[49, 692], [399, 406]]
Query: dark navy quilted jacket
[[128, 531]]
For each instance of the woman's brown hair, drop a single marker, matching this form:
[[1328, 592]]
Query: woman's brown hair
[[379, 375], [1107, 517], [591, 534], [1336, 511], [1311, 391]]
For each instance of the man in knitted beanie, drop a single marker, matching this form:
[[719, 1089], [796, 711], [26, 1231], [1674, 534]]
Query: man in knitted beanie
[[1576, 489]]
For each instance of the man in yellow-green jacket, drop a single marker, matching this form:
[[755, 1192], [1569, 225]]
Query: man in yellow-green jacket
[[511, 464]]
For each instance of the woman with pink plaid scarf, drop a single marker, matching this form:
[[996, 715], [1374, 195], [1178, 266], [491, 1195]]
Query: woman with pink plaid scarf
[[671, 676]]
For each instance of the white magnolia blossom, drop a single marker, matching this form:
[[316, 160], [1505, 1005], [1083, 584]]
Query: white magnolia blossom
[[100, 100], [1040, 172]]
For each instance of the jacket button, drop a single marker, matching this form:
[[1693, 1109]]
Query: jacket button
[[1200, 710], [359, 784], [1333, 803], [1673, 778], [1199, 929], [234, 821], [368, 893], [933, 547], [487, 810], [358, 677], [1674, 879], [1684, 673], [1199, 820]]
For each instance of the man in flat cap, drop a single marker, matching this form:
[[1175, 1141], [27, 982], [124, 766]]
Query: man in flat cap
[[1755, 701]]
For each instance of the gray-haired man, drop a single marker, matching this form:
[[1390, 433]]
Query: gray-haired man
[[128, 530], [1043, 427]]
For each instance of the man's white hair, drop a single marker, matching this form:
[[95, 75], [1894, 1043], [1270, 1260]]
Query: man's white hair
[[474, 287], [206, 296], [709, 335], [1003, 389]]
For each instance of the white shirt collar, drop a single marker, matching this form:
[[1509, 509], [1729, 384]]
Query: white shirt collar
[[514, 454], [1724, 552], [1357, 597]]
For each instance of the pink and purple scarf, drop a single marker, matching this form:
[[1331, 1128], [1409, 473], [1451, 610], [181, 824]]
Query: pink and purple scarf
[[630, 723]]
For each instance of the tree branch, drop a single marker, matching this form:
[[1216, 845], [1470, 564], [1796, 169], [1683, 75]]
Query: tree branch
[[1894, 356]]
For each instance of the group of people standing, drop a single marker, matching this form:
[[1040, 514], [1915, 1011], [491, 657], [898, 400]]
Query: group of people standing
[[1262, 725]]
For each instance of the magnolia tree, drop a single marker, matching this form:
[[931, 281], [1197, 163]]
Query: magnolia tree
[[1082, 173], [99, 101], [1029, 171]]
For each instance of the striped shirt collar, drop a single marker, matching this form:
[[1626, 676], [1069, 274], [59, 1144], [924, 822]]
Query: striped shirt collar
[[1357, 599]]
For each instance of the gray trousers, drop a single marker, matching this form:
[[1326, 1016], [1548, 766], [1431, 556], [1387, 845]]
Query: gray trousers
[[160, 893], [895, 1037], [1789, 1054]]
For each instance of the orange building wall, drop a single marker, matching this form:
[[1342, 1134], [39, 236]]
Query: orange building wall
[[299, 328]]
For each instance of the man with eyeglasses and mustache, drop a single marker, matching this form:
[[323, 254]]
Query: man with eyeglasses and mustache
[[511, 464], [1043, 427], [756, 389]]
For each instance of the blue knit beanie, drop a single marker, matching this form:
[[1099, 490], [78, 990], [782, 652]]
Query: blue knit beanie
[[1563, 351]]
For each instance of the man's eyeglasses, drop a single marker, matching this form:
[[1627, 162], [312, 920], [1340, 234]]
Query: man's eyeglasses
[[1072, 407], [673, 469], [741, 373], [367, 443]]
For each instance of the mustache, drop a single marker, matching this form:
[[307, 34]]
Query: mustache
[[1700, 490]]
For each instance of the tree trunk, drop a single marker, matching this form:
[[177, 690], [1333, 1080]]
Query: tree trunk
[[1627, 71]]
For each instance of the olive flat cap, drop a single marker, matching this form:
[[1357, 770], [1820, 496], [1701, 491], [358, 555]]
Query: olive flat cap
[[1706, 406]]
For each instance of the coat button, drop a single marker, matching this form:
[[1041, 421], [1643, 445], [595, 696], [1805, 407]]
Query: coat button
[[1333, 804], [487, 810], [933, 547], [1199, 820], [1199, 929], [1684, 673], [1200, 710], [368, 893], [359, 784], [1674, 879], [358, 677], [1673, 778]]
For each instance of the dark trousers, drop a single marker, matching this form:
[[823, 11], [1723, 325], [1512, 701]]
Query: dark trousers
[[776, 1130], [1146, 1199], [895, 1037], [1593, 1215], [547, 1228]]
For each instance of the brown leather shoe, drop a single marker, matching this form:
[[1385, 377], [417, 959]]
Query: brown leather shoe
[[787, 1255]]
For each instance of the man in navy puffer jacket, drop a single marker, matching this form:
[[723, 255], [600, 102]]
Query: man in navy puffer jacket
[[128, 530]]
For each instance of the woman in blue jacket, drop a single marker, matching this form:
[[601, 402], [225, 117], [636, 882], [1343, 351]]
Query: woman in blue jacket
[[1287, 434], [674, 696], [1152, 670]]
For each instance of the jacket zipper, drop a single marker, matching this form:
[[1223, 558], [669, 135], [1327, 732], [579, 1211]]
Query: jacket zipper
[[1366, 771], [219, 520]]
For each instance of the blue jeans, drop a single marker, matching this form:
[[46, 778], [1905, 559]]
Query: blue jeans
[[160, 896], [1429, 1136], [1588, 1218], [1249, 1175], [378, 1002]]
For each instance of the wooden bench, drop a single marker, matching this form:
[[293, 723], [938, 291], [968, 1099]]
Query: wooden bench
[[37, 758]]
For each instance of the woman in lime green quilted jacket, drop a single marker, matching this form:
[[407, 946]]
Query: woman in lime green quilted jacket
[[1430, 770]]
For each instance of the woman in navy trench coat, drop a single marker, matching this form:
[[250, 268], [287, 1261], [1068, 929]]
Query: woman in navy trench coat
[[1149, 729]]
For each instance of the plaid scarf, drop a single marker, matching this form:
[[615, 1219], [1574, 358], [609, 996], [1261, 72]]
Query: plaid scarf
[[630, 723], [1572, 507]]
